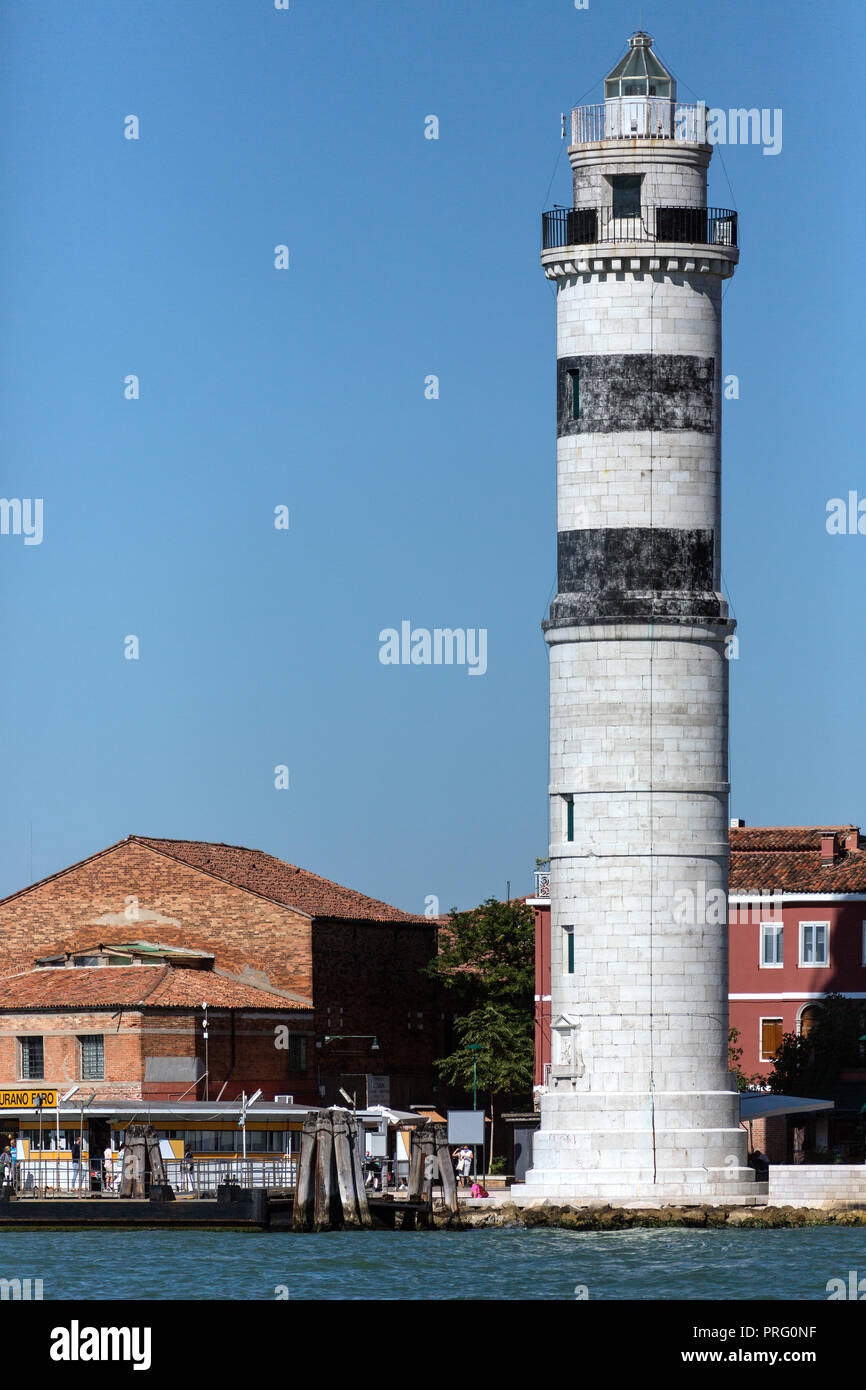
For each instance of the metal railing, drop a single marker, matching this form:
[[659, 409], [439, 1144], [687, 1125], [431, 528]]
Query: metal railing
[[542, 883], [679, 225], [639, 118], [198, 1177]]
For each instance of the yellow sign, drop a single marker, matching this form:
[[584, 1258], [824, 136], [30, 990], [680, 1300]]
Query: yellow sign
[[27, 1100]]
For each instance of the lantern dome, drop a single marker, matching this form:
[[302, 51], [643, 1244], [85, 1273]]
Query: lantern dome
[[640, 74]]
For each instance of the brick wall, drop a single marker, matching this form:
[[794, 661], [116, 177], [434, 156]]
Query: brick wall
[[242, 1051], [176, 905], [368, 978], [60, 1032], [243, 1054]]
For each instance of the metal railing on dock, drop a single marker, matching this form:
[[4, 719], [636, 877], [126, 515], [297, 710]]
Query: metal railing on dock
[[197, 1177]]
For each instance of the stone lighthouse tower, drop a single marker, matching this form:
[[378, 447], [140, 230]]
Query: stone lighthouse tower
[[639, 1101]]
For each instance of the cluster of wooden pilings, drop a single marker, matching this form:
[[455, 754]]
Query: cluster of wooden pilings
[[141, 1155], [330, 1189]]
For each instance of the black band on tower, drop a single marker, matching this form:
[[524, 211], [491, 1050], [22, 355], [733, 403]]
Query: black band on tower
[[635, 573], [635, 391]]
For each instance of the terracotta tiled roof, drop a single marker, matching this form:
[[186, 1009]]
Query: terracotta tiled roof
[[788, 859], [275, 879], [760, 838], [132, 986]]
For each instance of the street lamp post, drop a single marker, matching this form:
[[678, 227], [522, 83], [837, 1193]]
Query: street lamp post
[[474, 1048], [206, 1067], [60, 1100], [245, 1105]]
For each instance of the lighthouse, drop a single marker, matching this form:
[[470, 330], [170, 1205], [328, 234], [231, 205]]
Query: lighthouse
[[639, 1102]]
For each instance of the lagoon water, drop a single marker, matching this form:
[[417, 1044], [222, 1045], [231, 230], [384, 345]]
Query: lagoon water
[[485, 1264]]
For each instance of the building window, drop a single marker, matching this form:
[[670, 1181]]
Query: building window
[[771, 1038], [569, 817], [808, 1019], [574, 378], [48, 1138], [32, 1059], [814, 943], [771, 945], [92, 1057], [568, 949], [626, 195], [297, 1052]]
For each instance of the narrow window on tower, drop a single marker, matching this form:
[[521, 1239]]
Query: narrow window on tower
[[569, 817], [574, 378], [626, 194], [568, 950]]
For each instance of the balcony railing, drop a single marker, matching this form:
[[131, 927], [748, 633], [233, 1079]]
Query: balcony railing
[[542, 883], [594, 226], [639, 118]]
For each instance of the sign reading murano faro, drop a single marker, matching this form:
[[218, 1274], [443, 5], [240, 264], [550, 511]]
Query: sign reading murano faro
[[27, 1100]]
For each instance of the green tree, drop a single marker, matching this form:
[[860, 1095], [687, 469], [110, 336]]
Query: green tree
[[495, 1048], [486, 962], [488, 953], [805, 1063], [735, 1057]]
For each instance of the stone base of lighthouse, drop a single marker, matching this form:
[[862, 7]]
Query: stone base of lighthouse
[[668, 1147]]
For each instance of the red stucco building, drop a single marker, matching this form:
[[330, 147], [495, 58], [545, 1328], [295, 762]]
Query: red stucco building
[[797, 914], [797, 932]]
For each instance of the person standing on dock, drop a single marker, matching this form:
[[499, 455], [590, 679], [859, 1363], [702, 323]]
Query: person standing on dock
[[188, 1170], [108, 1169], [463, 1166], [8, 1167], [76, 1162]]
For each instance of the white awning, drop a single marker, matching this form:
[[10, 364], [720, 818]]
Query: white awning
[[755, 1105]]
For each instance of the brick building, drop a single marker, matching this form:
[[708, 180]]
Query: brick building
[[310, 986]]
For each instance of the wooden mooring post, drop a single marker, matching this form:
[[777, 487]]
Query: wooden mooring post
[[356, 1210], [431, 1159], [446, 1167], [324, 1166], [305, 1180]]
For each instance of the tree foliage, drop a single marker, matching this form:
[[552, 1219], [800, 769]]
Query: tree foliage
[[487, 963], [735, 1057], [488, 953], [502, 1056], [814, 1061]]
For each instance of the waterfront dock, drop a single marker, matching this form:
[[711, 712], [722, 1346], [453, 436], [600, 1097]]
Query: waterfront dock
[[233, 1208]]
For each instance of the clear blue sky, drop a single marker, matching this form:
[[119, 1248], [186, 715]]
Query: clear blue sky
[[306, 387]]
